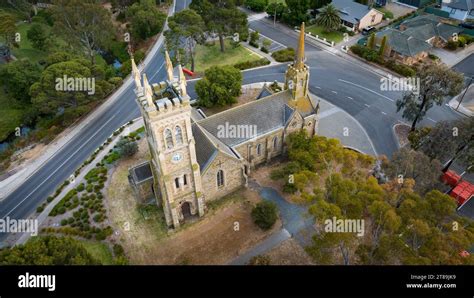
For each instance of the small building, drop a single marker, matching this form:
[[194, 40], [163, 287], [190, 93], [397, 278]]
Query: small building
[[459, 9], [415, 3], [356, 16]]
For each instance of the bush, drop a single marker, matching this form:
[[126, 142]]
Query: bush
[[39, 209], [127, 148], [64, 222], [251, 64], [401, 69], [80, 187], [452, 45], [433, 57], [256, 5], [264, 49], [284, 55], [265, 214]]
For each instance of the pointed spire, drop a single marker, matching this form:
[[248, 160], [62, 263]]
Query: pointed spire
[[182, 81], [148, 91], [169, 67], [299, 59], [136, 75]]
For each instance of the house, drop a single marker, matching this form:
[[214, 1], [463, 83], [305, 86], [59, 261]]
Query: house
[[415, 37], [196, 159], [415, 3], [356, 16], [459, 9]]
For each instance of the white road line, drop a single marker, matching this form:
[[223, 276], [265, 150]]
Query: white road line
[[157, 72], [384, 113], [431, 119], [350, 97], [366, 105], [334, 92], [357, 85], [54, 172], [317, 87]]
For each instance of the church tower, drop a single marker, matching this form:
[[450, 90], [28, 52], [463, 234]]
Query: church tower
[[166, 113], [297, 74]]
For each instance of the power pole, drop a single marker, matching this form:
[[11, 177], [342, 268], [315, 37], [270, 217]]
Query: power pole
[[275, 15]]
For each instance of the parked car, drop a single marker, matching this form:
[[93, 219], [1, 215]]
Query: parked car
[[368, 30], [467, 25]]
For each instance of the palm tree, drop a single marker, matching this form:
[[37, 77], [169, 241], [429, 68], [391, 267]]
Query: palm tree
[[329, 18]]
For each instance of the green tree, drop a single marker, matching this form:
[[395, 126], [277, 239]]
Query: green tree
[[127, 147], [37, 36], [436, 82], [17, 78], [7, 29], [316, 4], [145, 19], [220, 86], [265, 214], [329, 18], [48, 250], [297, 12], [450, 141], [256, 5], [277, 8], [186, 27], [383, 46], [371, 41], [85, 24], [221, 17]]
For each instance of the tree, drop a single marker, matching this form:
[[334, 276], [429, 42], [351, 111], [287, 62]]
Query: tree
[[371, 41], [7, 30], [145, 19], [186, 27], [17, 78], [275, 8], [383, 46], [297, 12], [436, 82], [49, 97], [410, 164], [220, 86], [127, 147], [256, 5], [85, 24], [265, 214], [221, 17], [450, 141], [316, 4], [329, 18], [48, 250], [37, 36]]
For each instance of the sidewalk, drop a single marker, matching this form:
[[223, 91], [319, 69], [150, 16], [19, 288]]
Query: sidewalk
[[467, 105], [260, 53], [22, 173]]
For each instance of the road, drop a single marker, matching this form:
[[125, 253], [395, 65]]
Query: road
[[347, 85]]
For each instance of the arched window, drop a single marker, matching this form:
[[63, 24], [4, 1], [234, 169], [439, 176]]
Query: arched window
[[185, 180], [176, 182], [220, 178], [259, 149], [169, 139], [178, 135], [275, 143]]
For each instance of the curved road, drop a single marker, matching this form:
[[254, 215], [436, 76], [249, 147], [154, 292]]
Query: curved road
[[342, 82]]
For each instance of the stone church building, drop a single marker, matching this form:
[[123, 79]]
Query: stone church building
[[197, 159]]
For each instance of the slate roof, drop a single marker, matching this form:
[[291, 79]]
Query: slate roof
[[467, 209], [428, 26], [350, 11], [461, 4], [403, 43], [205, 149], [141, 172], [264, 92]]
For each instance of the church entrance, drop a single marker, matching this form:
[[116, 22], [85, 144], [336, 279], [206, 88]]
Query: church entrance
[[186, 210]]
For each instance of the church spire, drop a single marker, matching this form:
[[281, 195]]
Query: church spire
[[299, 59], [148, 91], [169, 66], [182, 81]]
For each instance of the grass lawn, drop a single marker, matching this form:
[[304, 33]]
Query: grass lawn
[[100, 251], [26, 50], [211, 55], [10, 115], [335, 36]]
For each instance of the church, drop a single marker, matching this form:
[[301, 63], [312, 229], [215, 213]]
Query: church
[[194, 160]]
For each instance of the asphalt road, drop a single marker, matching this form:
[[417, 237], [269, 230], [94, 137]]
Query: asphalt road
[[343, 83]]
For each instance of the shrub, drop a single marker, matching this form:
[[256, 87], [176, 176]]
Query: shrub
[[284, 55], [254, 37], [256, 5], [50, 199], [80, 187], [39, 209], [64, 222], [264, 214], [433, 56], [264, 49], [452, 45], [251, 64], [126, 147]]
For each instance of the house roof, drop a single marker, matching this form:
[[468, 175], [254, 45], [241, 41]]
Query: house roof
[[428, 26], [461, 4], [205, 149], [403, 43], [351, 11]]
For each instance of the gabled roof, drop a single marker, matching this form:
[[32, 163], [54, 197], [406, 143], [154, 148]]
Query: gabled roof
[[205, 149], [403, 43], [461, 4], [264, 92], [428, 26], [351, 11]]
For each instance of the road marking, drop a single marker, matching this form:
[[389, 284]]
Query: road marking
[[357, 85], [431, 119], [350, 97], [384, 113], [334, 92], [157, 72], [317, 87], [366, 105], [54, 172], [329, 112]]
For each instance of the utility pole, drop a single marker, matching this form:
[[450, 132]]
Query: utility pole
[[467, 88], [275, 15]]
